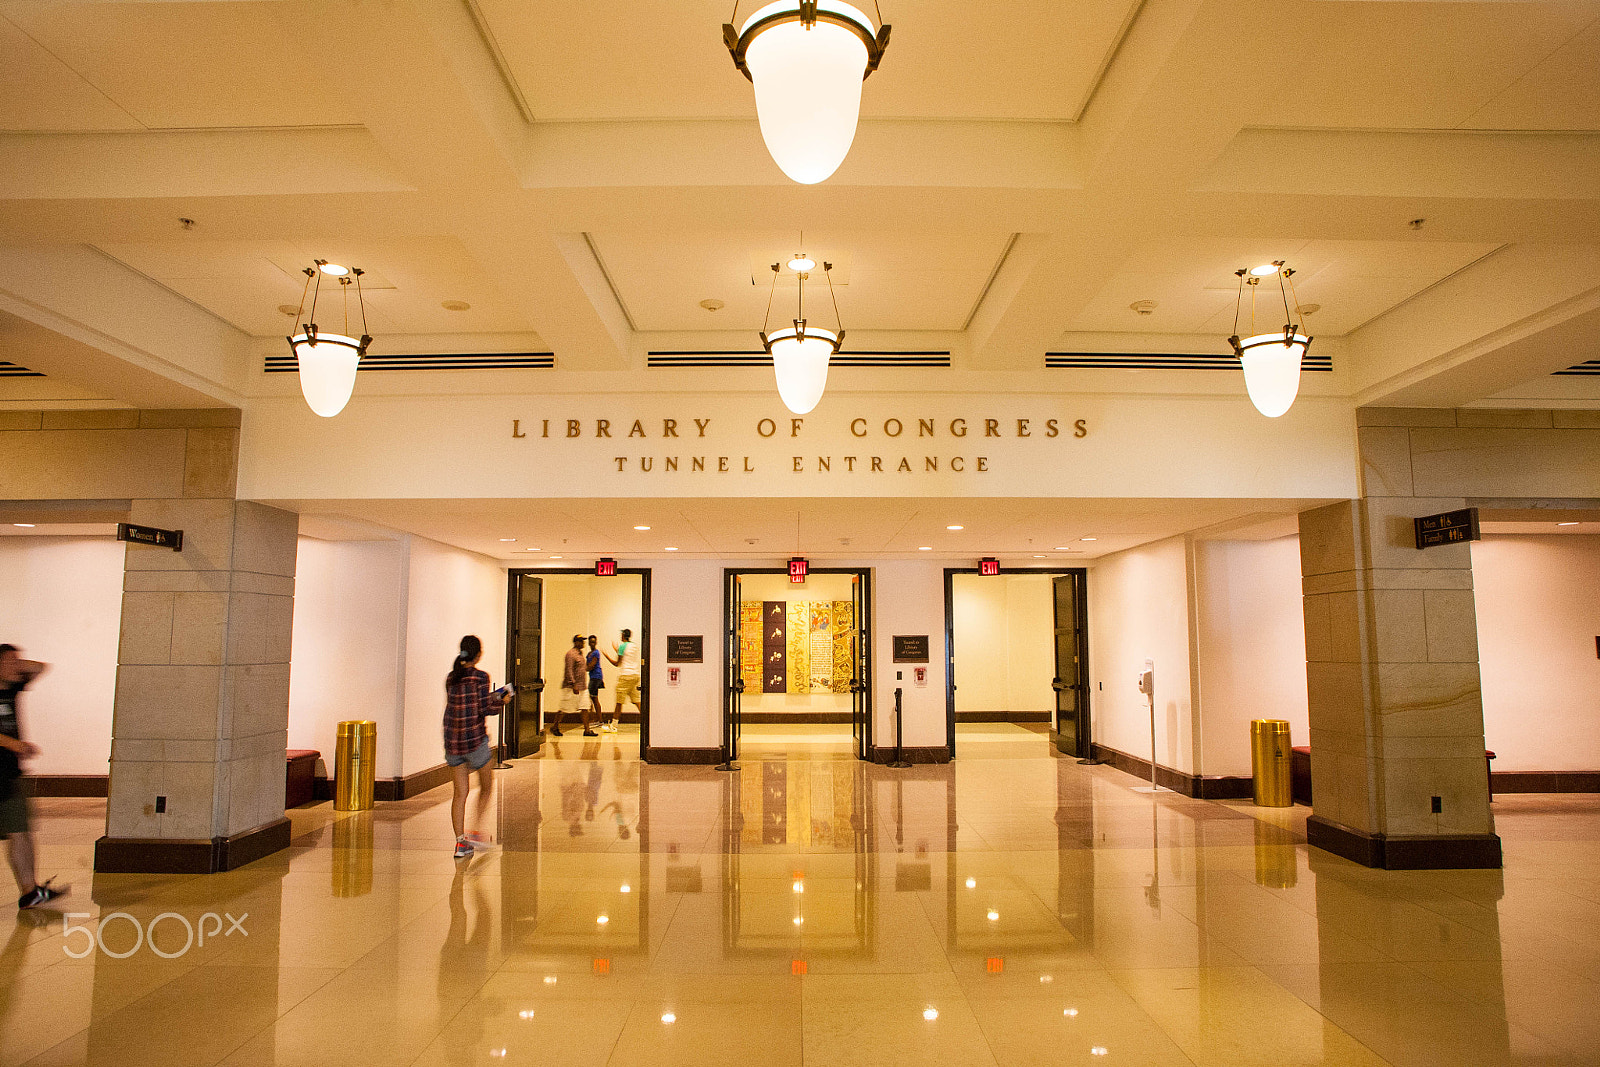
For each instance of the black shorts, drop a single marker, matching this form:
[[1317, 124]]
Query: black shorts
[[595, 686]]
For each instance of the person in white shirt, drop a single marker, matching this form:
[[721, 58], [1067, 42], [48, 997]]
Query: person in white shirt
[[626, 661]]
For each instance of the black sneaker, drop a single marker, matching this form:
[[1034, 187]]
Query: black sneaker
[[555, 733], [41, 894], [590, 733]]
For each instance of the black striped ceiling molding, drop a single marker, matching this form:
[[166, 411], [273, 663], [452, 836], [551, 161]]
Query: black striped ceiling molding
[[1587, 369], [287, 364], [758, 358], [1163, 361], [11, 370]]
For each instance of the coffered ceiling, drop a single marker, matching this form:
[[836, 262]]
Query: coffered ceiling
[[582, 176]]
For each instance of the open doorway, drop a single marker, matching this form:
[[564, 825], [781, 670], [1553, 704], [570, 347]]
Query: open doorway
[[1016, 659], [547, 608], [798, 663]]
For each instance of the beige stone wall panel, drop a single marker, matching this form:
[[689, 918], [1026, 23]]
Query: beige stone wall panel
[[91, 464], [146, 628], [207, 527], [1385, 460], [1488, 462], [166, 701], [210, 462]]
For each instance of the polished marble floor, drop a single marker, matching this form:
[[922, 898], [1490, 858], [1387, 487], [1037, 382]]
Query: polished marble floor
[[1010, 908]]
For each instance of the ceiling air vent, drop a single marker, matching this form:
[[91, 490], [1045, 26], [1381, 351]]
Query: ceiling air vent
[[1162, 361], [11, 370], [758, 358], [439, 361], [1587, 369]]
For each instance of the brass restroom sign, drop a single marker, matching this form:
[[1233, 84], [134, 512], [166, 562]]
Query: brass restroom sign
[[1448, 528]]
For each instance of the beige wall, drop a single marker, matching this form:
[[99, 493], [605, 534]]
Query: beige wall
[[1138, 610], [1538, 606], [61, 604], [1251, 646], [347, 631], [1146, 446], [1004, 630], [448, 593]]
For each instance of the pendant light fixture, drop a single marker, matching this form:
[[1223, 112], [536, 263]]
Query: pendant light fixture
[[328, 361], [800, 353], [807, 60], [1271, 360]]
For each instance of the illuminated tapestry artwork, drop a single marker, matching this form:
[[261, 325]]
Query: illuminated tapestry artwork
[[799, 646]]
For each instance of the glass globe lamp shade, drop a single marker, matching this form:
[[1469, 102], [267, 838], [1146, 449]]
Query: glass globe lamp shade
[[327, 369], [1272, 369], [808, 85], [800, 362]]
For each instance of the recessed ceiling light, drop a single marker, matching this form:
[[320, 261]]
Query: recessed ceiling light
[[993, 915], [1266, 270], [1065, 548], [557, 557], [924, 548], [930, 1014], [957, 527], [641, 527], [508, 538], [456, 305], [801, 262], [1558, 524], [24, 525], [670, 548], [626, 888], [602, 919], [1088, 538], [333, 270], [1097, 1051], [668, 1017], [1071, 1013]]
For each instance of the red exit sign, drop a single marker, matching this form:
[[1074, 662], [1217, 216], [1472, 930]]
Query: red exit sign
[[798, 569], [988, 566], [605, 568]]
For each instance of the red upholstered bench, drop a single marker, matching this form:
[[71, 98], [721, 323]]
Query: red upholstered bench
[[299, 785], [1300, 774]]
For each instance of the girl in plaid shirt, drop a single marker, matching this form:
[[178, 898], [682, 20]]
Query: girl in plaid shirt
[[466, 739]]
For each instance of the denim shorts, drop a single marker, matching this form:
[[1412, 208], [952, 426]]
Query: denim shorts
[[474, 759]]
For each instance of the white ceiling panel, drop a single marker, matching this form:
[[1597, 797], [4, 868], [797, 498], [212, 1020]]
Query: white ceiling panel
[[1194, 285], [896, 281], [408, 281], [189, 65], [1013, 59], [39, 92]]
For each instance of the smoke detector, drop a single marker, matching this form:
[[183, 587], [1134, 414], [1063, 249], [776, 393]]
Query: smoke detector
[[1143, 307], [712, 304]]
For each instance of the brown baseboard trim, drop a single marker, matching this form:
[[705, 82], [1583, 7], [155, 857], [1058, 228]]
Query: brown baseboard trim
[[388, 789], [699, 756], [1002, 716], [923, 754], [133, 855], [65, 785], [1447, 852], [1201, 787], [1545, 781]]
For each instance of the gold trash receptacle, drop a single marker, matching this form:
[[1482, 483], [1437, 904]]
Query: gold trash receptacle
[[1270, 763], [355, 759]]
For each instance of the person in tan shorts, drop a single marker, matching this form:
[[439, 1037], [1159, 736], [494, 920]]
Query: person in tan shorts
[[626, 661]]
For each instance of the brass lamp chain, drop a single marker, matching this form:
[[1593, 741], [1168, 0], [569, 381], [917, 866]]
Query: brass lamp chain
[[1291, 327], [770, 294], [301, 314], [827, 272]]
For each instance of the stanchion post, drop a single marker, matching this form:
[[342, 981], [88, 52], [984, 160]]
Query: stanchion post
[[899, 758]]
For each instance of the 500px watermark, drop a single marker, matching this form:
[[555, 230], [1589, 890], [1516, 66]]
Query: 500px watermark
[[195, 934]]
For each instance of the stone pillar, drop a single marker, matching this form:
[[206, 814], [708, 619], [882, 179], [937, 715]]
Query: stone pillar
[[202, 697], [1396, 712]]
